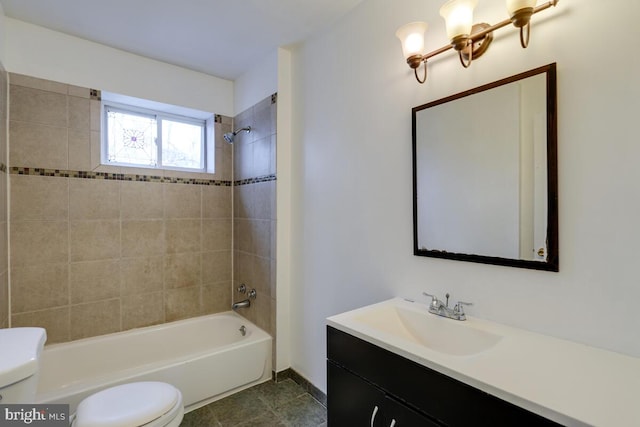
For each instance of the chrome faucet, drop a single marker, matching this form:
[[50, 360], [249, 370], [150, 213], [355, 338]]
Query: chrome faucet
[[442, 309], [247, 302]]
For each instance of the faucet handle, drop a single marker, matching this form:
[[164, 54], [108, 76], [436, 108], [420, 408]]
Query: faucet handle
[[459, 306], [429, 295], [433, 297], [435, 302]]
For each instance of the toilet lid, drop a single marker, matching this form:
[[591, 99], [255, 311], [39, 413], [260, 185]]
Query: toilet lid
[[127, 405]]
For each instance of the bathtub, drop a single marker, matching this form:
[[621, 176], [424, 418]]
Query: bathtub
[[205, 357]]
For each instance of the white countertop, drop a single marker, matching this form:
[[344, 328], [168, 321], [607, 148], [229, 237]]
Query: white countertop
[[570, 383]]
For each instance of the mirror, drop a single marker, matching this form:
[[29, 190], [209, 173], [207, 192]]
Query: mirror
[[485, 173]]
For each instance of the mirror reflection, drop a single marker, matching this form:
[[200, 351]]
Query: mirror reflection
[[485, 176]]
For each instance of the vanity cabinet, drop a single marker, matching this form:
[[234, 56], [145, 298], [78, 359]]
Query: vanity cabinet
[[355, 402], [362, 377]]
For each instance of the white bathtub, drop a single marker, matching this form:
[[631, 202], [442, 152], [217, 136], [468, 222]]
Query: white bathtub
[[205, 357]]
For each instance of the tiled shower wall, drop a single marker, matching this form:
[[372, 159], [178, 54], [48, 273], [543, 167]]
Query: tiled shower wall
[[4, 283], [99, 249], [254, 211]]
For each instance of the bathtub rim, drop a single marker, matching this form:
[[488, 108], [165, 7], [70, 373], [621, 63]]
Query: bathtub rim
[[158, 327]]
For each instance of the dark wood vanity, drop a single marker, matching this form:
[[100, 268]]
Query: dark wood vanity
[[370, 386]]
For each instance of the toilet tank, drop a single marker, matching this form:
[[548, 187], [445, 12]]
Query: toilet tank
[[20, 350]]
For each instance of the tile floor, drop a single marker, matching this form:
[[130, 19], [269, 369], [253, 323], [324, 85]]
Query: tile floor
[[282, 404]]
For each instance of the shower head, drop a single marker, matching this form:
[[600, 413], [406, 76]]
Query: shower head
[[229, 137]]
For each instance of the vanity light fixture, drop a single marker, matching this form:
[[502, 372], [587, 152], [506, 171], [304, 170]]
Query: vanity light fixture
[[469, 40]]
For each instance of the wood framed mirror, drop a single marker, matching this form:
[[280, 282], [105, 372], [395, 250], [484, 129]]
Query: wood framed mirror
[[485, 173]]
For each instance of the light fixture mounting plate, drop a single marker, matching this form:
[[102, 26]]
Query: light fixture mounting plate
[[480, 45]]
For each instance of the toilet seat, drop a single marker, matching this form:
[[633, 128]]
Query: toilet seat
[[148, 404]]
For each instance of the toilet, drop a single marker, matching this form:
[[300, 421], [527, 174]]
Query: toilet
[[147, 403]]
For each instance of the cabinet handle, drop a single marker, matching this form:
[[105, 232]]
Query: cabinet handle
[[393, 423], [373, 415]]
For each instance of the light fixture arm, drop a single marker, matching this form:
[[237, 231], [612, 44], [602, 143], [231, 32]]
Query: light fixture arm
[[424, 76], [524, 39], [469, 55]]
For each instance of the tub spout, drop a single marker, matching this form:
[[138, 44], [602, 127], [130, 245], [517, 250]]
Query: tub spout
[[241, 304]]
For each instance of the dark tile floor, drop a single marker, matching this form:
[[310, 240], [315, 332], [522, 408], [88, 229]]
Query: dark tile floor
[[282, 404]]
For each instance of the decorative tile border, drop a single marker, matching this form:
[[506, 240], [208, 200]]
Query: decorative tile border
[[265, 178], [115, 176], [95, 94]]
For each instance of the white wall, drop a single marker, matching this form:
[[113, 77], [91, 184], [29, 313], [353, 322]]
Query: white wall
[[351, 175], [257, 83], [47, 54]]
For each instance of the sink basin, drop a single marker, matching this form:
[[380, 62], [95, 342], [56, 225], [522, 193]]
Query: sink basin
[[416, 324]]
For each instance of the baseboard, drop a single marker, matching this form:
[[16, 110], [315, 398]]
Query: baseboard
[[303, 382]]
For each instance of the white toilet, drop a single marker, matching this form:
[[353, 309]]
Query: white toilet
[[148, 404]]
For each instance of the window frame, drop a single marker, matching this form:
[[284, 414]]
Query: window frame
[[158, 116]]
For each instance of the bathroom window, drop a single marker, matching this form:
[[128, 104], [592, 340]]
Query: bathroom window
[[141, 137]]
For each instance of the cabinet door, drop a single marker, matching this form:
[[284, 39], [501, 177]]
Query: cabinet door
[[397, 414], [352, 401]]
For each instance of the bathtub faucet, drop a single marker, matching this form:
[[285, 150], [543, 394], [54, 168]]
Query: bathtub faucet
[[241, 304], [245, 303]]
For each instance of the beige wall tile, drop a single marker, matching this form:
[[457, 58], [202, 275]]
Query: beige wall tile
[[182, 201], [55, 321], [38, 146], [182, 303], [243, 161], [96, 152], [141, 275], [142, 200], [261, 307], [242, 201], [36, 83], [216, 298], [39, 287], [263, 203], [216, 267], [94, 281], [243, 268], [39, 242], [4, 189], [223, 163], [182, 270], [262, 275], [113, 254], [94, 199], [273, 164], [242, 239], [95, 108], [79, 113], [95, 318], [142, 310], [216, 234], [39, 198], [216, 201], [182, 235], [94, 240], [261, 237], [38, 106], [4, 247], [4, 301], [142, 238], [79, 91], [79, 150], [261, 156]]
